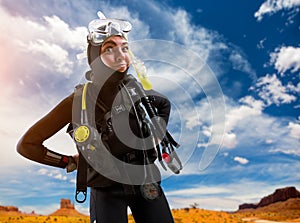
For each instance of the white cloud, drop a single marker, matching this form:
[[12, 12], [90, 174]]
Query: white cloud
[[53, 173], [201, 190], [269, 133], [241, 160], [17, 115], [249, 126], [260, 45], [294, 129], [207, 197], [236, 113], [51, 41], [192, 121], [50, 54], [60, 177], [206, 43], [229, 140], [270, 88], [294, 88], [292, 151], [31, 48], [42, 171], [286, 58], [272, 91], [216, 203], [272, 6], [248, 108], [256, 105], [239, 62], [58, 31]]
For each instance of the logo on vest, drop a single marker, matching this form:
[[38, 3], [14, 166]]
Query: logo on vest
[[118, 109], [132, 91]]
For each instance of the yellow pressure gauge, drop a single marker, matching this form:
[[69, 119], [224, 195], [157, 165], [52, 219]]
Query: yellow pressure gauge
[[81, 134]]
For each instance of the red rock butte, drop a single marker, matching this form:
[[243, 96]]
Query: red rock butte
[[66, 209]]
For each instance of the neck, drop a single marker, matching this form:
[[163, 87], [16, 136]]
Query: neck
[[103, 75]]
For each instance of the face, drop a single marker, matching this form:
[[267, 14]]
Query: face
[[114, 53]]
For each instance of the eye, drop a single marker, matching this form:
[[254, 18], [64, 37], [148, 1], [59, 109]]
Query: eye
[[108, 50], [125, 49]]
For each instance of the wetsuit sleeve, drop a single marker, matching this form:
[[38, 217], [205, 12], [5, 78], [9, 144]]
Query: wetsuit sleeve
[[31, 144], [162, 105]]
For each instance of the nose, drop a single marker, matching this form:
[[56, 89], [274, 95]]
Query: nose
[[119, 54]]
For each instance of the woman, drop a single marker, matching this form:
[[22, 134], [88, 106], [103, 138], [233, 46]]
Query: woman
[[109, 59]]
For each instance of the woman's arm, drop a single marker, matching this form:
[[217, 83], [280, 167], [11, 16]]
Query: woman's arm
[[31, 144], [161, 103]]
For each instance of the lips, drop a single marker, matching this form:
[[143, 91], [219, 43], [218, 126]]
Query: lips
[[120, 66]]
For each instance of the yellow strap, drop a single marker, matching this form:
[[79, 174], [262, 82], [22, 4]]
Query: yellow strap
[[83, 99]]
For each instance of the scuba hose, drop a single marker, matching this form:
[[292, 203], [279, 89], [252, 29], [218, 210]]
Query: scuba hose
[[169, 155], [151, 190], [167, 152]]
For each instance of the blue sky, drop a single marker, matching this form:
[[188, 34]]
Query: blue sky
[[230, 68]]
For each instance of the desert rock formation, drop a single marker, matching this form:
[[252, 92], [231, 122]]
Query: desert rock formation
[[66, 209], [281, 194]]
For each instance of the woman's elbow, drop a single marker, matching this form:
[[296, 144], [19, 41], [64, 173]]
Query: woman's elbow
[[20, 147]]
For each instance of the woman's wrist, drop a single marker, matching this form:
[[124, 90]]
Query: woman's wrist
[[71, 165]]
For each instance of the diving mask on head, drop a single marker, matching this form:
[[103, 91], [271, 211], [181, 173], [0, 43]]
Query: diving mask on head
[[102, 28]]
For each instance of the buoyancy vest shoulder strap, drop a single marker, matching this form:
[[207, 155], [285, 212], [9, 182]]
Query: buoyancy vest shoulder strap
[[81, 179], [82, 167]]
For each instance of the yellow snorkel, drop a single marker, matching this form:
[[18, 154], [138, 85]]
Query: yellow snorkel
[[140, 69]]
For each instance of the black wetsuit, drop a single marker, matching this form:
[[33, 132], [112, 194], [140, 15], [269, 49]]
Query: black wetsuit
[[108, 200]]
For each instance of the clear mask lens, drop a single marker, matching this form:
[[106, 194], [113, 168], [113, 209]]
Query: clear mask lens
[[100, 29]]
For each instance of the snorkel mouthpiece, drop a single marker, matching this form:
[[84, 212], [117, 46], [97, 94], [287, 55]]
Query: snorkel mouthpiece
[[141, 71]]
